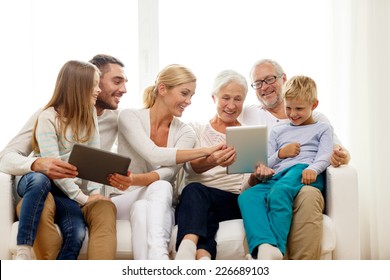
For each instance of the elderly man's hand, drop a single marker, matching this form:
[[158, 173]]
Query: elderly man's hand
[[339, 156]]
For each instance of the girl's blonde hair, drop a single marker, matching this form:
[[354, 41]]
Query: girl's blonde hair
[[72, 100], [171, 76], [302, 88]]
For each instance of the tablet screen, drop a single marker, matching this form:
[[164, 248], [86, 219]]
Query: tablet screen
[[250, 143], [96, 164]]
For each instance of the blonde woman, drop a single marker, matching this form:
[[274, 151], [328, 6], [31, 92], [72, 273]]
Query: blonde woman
[[157, 143], [68, 118]]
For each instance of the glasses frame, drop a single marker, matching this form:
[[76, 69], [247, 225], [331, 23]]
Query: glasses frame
[[261, 82]]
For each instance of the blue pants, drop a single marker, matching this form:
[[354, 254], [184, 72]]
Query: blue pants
[[68, 215], [200, 210], [266, 208], [33, 187]]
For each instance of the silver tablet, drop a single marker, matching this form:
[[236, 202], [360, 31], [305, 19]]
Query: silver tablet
[[95, 164], [250, 143]]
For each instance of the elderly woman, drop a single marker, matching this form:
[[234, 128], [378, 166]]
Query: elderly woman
[[210, 195]]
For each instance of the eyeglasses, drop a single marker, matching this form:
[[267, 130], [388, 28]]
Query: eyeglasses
[[269, 81]]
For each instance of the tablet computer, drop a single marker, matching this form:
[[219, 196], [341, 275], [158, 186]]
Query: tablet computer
[[250, 143], [96, 164]]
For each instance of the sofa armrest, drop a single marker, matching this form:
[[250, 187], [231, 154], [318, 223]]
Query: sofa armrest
[[342, 206], [7, 214]]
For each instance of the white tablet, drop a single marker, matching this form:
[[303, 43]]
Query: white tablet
[[96, 164], [250, 143]]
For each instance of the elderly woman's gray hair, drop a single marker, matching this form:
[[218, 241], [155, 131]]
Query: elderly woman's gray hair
[[227, 76]]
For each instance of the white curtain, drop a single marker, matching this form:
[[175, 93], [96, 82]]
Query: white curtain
[[361, 95]]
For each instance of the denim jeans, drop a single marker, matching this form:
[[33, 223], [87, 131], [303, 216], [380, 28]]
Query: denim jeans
[[33, 187], [70, 220]]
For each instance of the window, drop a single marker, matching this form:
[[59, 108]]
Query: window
[[212, 36]]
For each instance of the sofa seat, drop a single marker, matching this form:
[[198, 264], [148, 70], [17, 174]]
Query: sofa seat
[[341, 239]]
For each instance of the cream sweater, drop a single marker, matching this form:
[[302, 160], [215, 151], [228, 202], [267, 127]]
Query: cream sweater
[[216, 177], [53, 145]]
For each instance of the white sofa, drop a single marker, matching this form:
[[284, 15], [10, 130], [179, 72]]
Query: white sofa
[[341, 223]]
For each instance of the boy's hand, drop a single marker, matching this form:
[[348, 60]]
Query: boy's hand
[[290, 150], [308, 176]]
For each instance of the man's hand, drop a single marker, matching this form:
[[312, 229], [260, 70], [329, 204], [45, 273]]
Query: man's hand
[[54, 168], [95, 197], [339, 156]]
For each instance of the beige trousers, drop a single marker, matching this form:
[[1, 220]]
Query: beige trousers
[[100, 217], [304, 240]]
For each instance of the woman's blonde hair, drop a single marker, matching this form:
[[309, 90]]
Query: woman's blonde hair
[[302, 88], [171, 76], [72, 100]]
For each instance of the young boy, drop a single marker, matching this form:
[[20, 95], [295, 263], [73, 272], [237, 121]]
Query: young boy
[[298, 152]]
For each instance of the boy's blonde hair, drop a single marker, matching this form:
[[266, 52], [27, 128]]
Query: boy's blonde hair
[[302, 88]]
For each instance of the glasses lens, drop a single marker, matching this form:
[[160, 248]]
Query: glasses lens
[[257, 85], [270, 80]]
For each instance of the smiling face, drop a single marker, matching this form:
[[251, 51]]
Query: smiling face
[[269, 95], [299, 112], [113, 85], [96, 89], [177, 98], [229, 101]]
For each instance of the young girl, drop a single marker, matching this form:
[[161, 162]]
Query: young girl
[[68, 118]]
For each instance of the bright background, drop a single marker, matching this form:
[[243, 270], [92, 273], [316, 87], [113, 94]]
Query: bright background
[[343, 44]]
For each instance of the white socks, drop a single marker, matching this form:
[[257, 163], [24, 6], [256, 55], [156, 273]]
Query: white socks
[[23, 252], [269, 252], [186, 251]]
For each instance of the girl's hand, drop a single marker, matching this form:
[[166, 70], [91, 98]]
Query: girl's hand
[[96, 197]]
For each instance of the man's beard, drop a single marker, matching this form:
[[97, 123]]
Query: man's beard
[[104, 105]]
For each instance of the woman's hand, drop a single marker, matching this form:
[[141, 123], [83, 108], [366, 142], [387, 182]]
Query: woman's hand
[[223, 157], [121, 182], [261, 174], [212, 149]]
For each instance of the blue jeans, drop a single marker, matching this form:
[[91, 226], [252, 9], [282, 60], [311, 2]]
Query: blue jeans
[[70, 220], [33, 187], [267, 208], [68, 217]]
